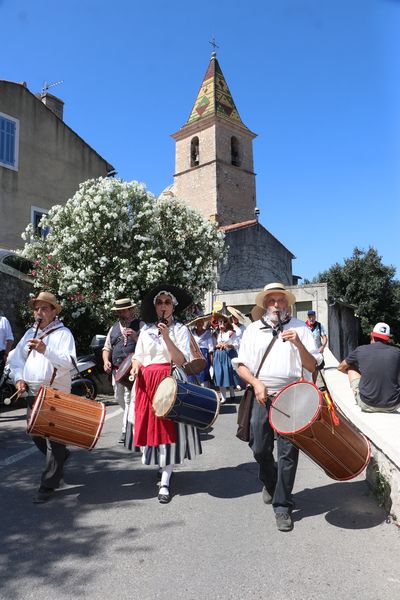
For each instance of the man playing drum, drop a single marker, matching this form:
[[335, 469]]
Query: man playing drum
[[44, 357], [292, 356]]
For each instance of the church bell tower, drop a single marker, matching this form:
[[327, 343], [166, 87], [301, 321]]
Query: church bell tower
[[214, 170]]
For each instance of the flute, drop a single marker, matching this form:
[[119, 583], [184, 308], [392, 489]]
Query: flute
[[163, 320], [280, 326]]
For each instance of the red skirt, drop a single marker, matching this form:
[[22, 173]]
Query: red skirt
[[149, 429]]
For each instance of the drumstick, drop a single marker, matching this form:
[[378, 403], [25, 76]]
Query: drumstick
[[8, 401], [280, 411]]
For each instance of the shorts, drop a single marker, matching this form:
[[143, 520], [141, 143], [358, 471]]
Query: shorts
[[366, 407]]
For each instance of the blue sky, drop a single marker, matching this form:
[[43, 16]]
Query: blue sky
[[317, 80]]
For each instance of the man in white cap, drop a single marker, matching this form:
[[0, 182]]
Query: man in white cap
[[120, 342], [374, 372], [292, 356], [44, 357]]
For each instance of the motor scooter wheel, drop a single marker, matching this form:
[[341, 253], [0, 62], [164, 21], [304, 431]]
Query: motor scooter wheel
[[85, 388]]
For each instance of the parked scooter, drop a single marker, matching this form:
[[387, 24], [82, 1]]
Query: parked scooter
[[82, 375]]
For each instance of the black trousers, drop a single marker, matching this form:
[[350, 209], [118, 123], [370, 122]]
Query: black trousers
[[54, 452], [280, 476]]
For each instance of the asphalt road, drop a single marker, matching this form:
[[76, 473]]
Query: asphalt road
[[105, 535]]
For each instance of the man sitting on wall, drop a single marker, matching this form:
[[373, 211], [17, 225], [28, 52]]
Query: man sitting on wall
[[374, 372]]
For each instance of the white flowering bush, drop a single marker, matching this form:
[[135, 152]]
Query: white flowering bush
[[114, 239]]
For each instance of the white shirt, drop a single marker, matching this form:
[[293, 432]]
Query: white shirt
[[226, 337], [205, 340], [37, 369], [151, 348], [5, 332], [282, 365], [239, 331]]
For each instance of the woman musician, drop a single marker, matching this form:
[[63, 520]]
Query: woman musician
[[161, 342]]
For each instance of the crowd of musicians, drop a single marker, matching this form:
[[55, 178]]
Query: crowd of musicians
[[274, 351]]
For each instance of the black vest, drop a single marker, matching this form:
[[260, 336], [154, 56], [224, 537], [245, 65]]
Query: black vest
[[118, 350]]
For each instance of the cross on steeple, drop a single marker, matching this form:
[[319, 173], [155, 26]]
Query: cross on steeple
[[213, 44]]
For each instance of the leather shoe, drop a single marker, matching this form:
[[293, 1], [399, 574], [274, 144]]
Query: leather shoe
[[267, 496], [284, 521], [164, 498], [43, 495]]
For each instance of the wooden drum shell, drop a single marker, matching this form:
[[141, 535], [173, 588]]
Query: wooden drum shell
[[66, 418]]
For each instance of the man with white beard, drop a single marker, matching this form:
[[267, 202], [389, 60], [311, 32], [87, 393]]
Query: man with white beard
[[292, 356]]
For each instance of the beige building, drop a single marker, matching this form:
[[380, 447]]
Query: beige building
[[214, 169], [214, 174], [42, 160]]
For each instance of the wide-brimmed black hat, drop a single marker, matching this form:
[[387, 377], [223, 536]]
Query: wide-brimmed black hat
[[148, 311]]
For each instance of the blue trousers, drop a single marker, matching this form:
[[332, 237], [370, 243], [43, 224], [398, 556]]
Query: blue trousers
[[54, 452], [278, 477]]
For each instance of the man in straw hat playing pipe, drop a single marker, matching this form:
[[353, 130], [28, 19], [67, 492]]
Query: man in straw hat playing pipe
[[120, 341], [44, 357], [293, 354]]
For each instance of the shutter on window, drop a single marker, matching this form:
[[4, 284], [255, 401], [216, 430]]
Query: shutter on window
[[7, 141]]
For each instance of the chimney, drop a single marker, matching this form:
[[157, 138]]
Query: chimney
[[53, 103]]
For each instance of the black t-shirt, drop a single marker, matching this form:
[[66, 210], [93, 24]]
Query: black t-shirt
[[379, 365]]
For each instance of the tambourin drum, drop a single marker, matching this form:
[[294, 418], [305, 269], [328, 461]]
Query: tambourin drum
[[66, 418], [186, 403], [122, 374], [301, 413]]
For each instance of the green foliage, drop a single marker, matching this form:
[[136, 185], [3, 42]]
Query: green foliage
[[114, 239], [364, 281], [381, 488]]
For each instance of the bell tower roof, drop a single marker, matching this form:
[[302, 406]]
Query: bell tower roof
[[214, 97]]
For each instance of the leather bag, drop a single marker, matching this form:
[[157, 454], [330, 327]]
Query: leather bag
[[197, 361]]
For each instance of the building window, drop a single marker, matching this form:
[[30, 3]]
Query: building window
[[9, 141], [36, 214], [235, 152], [194, 152], [300, 309]]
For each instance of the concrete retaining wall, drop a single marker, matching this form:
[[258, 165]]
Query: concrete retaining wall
[[382, 429]]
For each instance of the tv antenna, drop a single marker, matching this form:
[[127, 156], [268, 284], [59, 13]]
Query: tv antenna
[[47, 86]]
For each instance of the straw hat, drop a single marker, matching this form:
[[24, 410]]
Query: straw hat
[[122, 304], [236, 313], [46, 297], [274, 288], [199, 319], [257, 312]]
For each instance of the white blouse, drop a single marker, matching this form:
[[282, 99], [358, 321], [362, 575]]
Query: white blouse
[[205, 340], [226, 337], [151, 347]]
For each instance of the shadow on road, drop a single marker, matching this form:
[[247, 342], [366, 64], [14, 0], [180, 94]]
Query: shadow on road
[[347, 505]]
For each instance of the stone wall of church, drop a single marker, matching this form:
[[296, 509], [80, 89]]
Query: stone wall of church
[[215, 186], [197, 186], [255, 258]]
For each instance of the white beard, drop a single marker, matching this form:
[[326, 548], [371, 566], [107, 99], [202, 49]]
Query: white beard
[[273, 317]]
